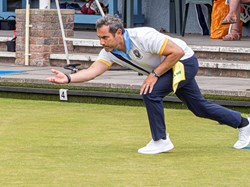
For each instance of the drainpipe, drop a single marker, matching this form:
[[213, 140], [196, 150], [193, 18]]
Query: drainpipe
[[27, 28], [62, 31]]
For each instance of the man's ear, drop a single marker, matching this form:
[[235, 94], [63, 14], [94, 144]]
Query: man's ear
[[119, 31]]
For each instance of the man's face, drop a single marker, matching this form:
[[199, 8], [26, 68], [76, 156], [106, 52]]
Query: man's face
[[107, 40]]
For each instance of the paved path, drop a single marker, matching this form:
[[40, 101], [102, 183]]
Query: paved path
[[127, 79]]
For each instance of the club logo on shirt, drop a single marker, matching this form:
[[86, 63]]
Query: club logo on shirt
[[137, 53]]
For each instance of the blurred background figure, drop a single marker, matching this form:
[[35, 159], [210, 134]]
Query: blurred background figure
[[233, 17]]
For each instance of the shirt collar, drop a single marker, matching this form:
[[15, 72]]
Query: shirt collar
[[127, 43]]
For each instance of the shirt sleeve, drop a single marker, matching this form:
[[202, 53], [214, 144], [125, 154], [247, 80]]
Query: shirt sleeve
[[154, 42], [104, 58]]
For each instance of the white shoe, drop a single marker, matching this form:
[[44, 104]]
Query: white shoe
[[155, 147], [244, 137]]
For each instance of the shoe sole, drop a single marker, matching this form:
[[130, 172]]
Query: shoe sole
[[248, 141], [157, 152], [241, 147]]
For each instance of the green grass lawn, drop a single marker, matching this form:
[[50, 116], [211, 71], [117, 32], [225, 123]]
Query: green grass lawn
[[46, 143]]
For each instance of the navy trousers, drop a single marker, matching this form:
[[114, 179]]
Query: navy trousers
[[189, 93]]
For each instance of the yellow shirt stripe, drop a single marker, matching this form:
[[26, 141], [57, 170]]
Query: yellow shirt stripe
[[163, 46], [104, 62]]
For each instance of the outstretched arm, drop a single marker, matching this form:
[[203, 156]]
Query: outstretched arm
[[96, 69]]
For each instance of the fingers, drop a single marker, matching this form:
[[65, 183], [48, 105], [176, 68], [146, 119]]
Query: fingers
[[148, 85], [59, 77], [144, 89], [51, 79], [151, 88], [55, 71]]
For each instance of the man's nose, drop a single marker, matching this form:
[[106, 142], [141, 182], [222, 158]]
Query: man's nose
[[102, 42]]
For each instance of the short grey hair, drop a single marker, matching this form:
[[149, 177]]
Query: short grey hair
[[114, 23]]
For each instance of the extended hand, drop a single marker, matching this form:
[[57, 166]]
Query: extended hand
[[59, 78], [148, 84]]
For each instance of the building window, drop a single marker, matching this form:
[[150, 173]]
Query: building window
[[12, 5]]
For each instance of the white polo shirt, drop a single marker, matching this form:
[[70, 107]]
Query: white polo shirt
[[144, 48]]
